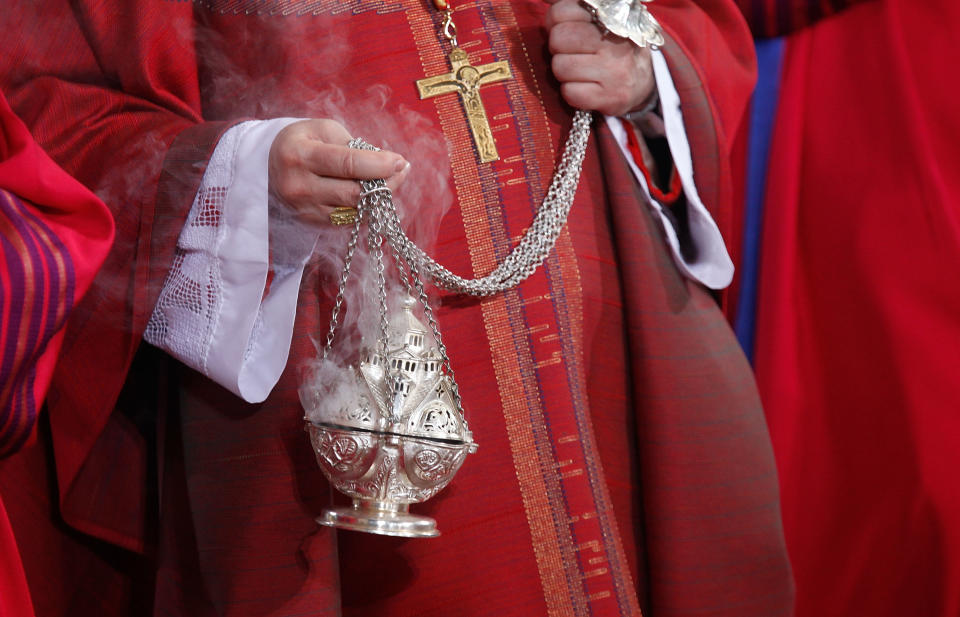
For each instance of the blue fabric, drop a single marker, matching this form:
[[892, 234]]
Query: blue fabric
[[762, 116]]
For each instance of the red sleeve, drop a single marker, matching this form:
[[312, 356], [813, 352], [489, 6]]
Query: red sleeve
[[110, 90]]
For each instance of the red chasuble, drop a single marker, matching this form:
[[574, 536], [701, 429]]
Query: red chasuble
[[858, 328], [624, 464], [53, 236]]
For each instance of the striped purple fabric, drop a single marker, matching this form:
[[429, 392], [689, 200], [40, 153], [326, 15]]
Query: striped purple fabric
[[36, 288]]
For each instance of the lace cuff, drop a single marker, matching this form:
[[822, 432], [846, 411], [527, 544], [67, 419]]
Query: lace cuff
[[213, 314]]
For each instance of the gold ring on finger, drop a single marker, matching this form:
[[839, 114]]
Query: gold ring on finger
[[344, 215]]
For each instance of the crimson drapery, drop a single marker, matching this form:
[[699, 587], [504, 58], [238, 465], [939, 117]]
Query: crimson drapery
[[53, 236], [624, 461], [858, 336]]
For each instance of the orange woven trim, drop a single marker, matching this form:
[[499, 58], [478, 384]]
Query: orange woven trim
[[468, 180]]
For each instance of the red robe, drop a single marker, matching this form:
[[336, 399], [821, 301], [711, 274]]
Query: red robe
[[54, 234], [858, 326], [624, 461]]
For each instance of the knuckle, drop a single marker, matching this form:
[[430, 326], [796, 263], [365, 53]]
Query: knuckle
[[555, 14], [348, 165], [281, 182], [555, 41], [558, 64], [289, 156], [565, 36], [284, 150], [394, 183], [619, 104], [295, 191], [332, 132], [571, 95], [348, 195]]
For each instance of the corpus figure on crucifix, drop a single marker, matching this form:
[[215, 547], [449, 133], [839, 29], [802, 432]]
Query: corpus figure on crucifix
[[466, 81]]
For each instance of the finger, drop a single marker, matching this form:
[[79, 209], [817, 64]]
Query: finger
[[336, 192], [325, 130], [320, 195], [564, 11], [304, 191], [333, 192], [575, 37], [578, 67], [584, 95], [594, 97], [316, 216], [394, 182], [338, 161]]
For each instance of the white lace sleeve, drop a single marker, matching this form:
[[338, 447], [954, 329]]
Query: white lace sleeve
[[710, 264], [212, 313]]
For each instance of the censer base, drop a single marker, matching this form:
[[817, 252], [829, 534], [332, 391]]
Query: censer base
[[389, 520]]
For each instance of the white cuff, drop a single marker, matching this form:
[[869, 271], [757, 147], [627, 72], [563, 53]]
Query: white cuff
[[238, 335], [710, 264]]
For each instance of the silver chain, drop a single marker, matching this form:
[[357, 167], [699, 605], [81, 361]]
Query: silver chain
[[536, 244], [377, 209], [341, 287]]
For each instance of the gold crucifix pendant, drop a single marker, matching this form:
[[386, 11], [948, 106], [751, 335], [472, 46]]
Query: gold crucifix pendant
[[466, 80]]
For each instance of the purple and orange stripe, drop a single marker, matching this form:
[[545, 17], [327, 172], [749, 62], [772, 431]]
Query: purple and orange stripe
[[36, 291]]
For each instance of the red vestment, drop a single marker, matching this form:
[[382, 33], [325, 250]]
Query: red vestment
[[53, 236], [623, 455], [858, 315]]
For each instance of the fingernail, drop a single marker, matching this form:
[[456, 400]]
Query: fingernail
[[400, 165]]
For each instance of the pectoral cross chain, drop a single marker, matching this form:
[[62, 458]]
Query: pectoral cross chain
[[466, 79]]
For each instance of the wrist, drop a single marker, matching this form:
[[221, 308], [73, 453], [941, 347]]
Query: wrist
[[650, 105], [648, 118]]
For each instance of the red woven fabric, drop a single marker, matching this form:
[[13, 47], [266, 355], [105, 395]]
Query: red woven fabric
[[858, 338], [14, 593], [623, 461]]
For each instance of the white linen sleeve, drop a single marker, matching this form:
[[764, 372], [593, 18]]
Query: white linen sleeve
[[213, 313], [710, 263]]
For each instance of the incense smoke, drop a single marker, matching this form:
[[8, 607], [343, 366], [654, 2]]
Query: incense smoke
[[421, 202], [234, 83]]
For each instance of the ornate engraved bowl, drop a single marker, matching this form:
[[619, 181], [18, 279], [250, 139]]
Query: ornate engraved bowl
[[398, 437], [384, 473]]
